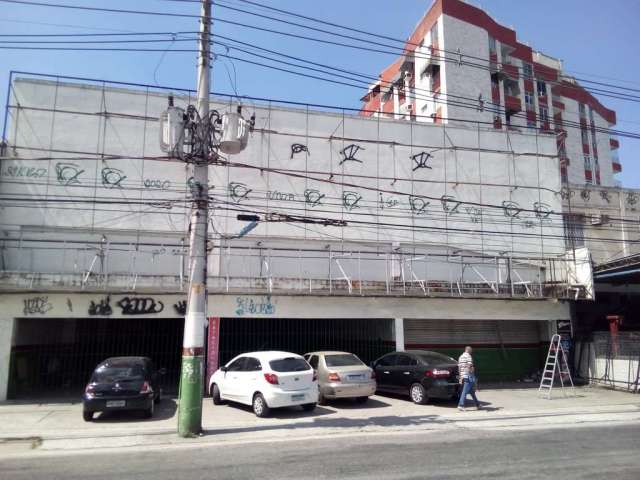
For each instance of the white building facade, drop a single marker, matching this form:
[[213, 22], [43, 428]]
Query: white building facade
[[452, 235]]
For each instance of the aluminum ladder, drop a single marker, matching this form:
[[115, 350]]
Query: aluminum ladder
[[556, 362]]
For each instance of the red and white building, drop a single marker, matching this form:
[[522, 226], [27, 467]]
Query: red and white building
[[461, 66]]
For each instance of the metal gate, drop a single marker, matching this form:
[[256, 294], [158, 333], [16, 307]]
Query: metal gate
[[55, 357], [367, 338]]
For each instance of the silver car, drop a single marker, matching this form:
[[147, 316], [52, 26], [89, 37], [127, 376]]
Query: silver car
[[342, 375]]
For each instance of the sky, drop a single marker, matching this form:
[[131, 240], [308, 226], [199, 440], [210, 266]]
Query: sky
[[596, 40]]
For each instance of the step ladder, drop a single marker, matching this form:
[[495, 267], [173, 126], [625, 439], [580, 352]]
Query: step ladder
[[556, 362]]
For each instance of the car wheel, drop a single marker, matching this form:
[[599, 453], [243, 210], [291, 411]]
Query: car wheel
[[362, 399], [87, 416], [418, 394], [260, 407], [309, 407], [148, 413], [215, 395]]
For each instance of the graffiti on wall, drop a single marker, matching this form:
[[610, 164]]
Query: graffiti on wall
[[112, 177], [180, 307], [255, 306], [298, 148], [349, 153], [17, 171], [36, 305], [103, 307], [67, 173], [140, 305]]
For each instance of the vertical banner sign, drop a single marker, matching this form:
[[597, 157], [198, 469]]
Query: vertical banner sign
[[213, 346]]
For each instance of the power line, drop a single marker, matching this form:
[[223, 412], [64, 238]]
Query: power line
[[404, 43], [430, 93]]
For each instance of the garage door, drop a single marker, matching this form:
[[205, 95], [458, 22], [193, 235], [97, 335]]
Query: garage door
[[503, 350], [367, 338], [55, 357]]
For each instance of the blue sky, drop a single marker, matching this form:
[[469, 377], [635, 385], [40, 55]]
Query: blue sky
[[596, 40]]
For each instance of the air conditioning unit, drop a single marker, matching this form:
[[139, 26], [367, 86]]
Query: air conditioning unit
[[600, 219]]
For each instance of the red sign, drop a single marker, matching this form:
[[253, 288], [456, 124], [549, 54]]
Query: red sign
[[213, 352]]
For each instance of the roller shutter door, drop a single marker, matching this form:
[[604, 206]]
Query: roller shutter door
[[432, 333]]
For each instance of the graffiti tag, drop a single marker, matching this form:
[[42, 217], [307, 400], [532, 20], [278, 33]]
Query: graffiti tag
[[158, 184], [388, 202], [449, 204], [350, 200], [275, 195], [68, 173], [39, 305], [349, 153], [239, 191], [112, 177], [418, 205], [298, 148], [251, 306], [101, 308], [511, 209], [420, 160], [313, 197], [28, 172], [180, 307], [140, 305]]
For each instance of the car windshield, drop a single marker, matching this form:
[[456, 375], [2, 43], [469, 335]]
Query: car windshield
[[107, 374], [433, 357], [343, 360], [290, 364]]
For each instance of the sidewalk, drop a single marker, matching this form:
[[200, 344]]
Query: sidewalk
[[57, 427]]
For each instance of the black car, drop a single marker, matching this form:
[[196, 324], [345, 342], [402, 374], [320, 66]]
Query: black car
[[421, 374], [122, 383]]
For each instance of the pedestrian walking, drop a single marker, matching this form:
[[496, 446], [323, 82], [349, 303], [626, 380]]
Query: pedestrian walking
[[467, 372]]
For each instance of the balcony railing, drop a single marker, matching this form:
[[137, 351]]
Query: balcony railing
[[317, 272]]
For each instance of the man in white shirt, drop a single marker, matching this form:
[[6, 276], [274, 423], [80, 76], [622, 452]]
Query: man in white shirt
[[467, 374]]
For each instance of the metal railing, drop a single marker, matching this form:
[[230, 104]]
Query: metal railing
[[284, 270]]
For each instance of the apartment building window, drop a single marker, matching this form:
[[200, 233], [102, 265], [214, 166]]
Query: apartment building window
[[585, 137], [587, 162], [528, 100], [591, 116], [583, 113], [574, 230], [492, 45], [434, 34], [542, 88], [544, 117], [527, 70]]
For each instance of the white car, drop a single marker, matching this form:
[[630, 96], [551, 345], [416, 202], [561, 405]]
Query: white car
[[266, 380]]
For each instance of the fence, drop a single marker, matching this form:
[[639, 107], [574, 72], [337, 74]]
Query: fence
[[611, 360]]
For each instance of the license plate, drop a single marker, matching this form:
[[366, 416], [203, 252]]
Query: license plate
[[356, 377], [297, 398], [116, 403]]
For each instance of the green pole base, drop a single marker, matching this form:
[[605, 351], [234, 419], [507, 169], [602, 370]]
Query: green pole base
[[190, 406]]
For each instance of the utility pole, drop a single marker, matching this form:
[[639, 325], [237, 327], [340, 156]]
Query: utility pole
[[191, 377]]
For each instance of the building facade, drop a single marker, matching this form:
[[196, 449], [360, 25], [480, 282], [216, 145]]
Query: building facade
[[461, 66], [452, 234]]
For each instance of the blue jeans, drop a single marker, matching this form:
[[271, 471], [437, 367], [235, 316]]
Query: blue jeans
[[467, 388]]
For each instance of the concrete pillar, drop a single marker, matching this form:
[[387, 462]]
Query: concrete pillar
[[399, 334], [6, 338]]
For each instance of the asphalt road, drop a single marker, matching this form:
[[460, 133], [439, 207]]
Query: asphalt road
[[604, 452]]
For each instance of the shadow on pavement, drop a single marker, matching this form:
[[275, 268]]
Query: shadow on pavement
[[325, 422], [164, 410], [351, 404], [285, 412]]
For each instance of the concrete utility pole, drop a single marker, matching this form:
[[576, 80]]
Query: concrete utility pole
[[191, 377]]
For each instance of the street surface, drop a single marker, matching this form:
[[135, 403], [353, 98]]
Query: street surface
[[602, 452]]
